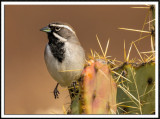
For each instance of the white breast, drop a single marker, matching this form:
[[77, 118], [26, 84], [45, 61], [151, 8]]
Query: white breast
[[74, 60]]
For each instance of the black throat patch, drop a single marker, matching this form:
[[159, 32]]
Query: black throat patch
[[57, 47]]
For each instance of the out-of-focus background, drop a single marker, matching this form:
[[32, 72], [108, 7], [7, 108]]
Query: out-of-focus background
[[28, 85]]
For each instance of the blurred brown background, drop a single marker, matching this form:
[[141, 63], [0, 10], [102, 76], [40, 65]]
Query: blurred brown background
[[28, 85]]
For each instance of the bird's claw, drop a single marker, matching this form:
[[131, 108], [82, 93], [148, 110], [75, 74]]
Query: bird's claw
[[56, 92], [74, 85]]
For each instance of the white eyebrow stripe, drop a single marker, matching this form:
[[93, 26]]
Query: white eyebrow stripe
[[59, 37], [65, 26]]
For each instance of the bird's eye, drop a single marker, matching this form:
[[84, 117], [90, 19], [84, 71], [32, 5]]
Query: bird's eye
[[57, 28], [49, 25]]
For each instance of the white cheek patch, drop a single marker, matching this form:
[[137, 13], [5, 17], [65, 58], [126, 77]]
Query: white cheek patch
[[65, 26], [59, 37]]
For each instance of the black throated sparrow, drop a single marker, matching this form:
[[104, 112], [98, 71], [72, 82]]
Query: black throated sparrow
[[64, 56]]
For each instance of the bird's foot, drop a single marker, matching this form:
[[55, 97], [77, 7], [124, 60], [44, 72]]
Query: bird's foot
[[56, 92], [73, 90]]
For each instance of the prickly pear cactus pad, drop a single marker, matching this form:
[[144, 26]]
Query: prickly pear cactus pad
[[95, 92], [136, 96], [99, 89]]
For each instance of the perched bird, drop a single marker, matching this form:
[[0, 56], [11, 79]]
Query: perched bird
[[64, 55]]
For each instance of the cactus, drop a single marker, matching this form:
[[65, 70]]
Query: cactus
[[138, 95], [108, 87], [97, 91]]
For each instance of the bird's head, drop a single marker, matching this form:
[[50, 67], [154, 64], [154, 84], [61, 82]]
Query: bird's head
[[61, 31]]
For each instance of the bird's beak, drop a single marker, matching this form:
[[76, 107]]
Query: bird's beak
[[46, 29]]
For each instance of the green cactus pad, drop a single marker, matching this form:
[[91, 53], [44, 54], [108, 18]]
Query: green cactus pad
[[137, 96]]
